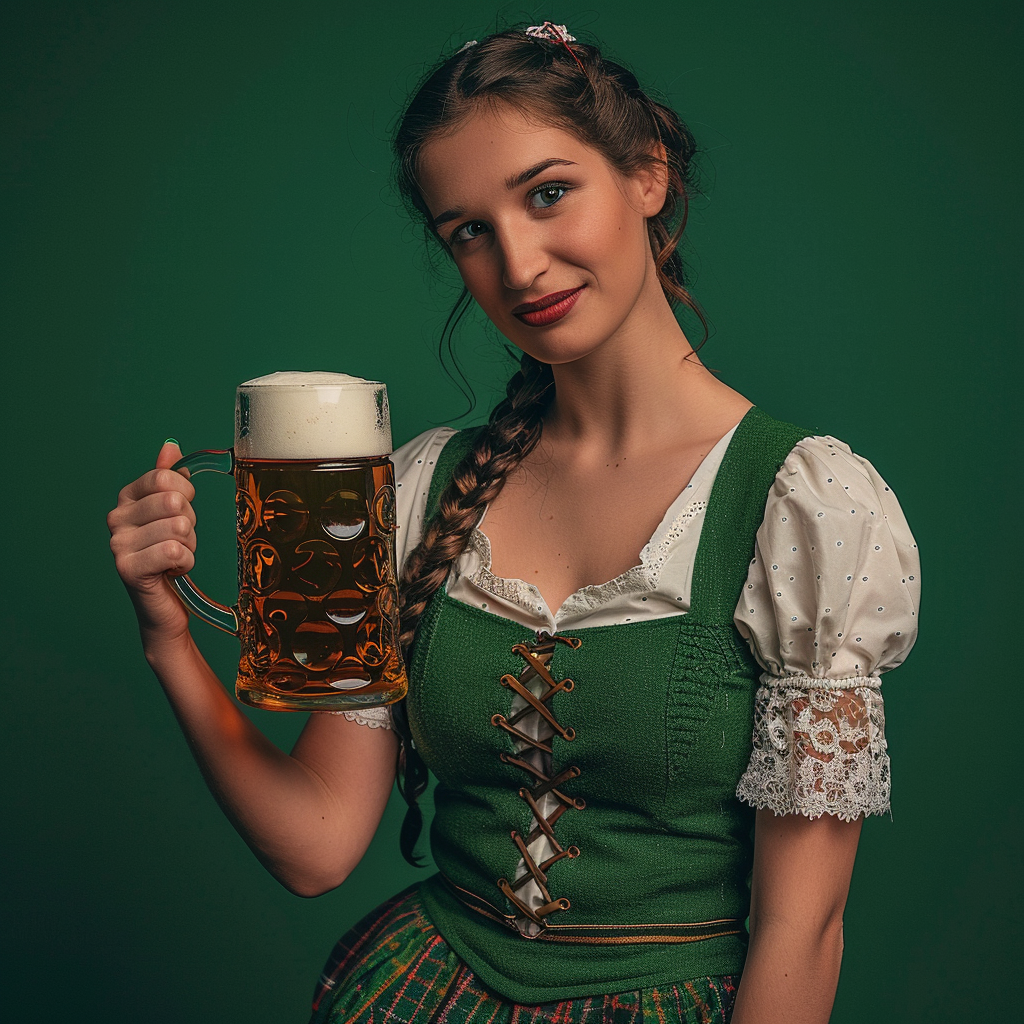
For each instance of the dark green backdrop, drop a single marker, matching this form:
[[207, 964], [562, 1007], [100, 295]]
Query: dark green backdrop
[[197, 193]]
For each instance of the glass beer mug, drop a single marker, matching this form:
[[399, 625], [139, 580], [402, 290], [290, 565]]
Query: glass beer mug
[[317, 611]]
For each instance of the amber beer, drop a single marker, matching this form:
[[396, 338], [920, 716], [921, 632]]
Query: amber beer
[[317, 595], [317, 611]]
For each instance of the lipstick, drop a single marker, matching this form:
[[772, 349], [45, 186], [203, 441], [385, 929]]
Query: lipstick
[[548, 310]]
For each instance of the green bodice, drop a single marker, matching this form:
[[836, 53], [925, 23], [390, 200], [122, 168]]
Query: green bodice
[[651, 850]]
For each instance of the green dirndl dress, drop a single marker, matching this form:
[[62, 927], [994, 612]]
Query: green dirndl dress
[[396, 965]]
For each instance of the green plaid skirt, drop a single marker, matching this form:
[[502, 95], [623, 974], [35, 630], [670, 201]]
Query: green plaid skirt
[[394, 967]]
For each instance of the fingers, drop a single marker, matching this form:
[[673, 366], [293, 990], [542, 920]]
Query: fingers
[[152, 507], [162, 479], [174, 528], [152, 529], [152, 536], [147, 537], [141, 567]]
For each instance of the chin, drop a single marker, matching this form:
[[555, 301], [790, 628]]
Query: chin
[[558, 344], [554, 353]]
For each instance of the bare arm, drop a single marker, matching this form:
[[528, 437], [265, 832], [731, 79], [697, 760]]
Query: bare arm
[[802, 871], [308, 816]]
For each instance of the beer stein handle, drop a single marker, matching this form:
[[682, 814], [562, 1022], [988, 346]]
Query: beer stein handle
[[219, 615]]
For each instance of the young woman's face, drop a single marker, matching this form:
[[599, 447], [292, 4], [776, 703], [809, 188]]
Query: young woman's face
[[549, 238]]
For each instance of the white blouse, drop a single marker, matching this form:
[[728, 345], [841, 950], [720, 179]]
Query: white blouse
[[830, 603]]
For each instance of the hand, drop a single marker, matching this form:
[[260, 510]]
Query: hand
[[152, 536]]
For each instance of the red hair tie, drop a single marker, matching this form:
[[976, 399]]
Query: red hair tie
[[553, 33]]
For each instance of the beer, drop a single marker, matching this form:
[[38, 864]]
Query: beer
[[318, 598], [317, 611]]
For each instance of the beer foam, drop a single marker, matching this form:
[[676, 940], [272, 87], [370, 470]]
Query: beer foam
[[319, 415]]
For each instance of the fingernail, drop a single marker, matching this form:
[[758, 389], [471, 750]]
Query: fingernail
[[172, 440]]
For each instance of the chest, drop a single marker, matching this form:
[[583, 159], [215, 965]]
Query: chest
[[562, 525]]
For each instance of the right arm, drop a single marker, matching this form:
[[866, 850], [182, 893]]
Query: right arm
[[309, 815]]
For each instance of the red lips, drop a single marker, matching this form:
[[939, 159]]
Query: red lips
[[548, 310]]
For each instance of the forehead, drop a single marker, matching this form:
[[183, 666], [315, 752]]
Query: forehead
[[491, 145]]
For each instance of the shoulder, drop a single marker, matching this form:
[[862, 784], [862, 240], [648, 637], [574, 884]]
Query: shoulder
[[829, 506], [415, 462], [821, 477], [760, 440], [823, 453], [797, 464], [759, 447], [421, 452], [422, 468]]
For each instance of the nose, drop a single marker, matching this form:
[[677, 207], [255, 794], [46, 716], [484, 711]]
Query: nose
[[523, 258]]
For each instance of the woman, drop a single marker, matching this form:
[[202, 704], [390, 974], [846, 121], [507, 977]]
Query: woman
[[594, 720]]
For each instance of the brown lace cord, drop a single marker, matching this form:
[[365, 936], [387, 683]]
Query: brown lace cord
[[537, 655]]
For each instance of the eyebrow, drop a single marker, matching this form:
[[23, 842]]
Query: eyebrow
[[511, 183]]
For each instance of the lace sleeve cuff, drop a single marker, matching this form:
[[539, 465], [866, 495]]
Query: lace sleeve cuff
[[375, 718], [816, 750]]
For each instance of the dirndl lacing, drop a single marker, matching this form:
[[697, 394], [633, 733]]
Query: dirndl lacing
[[533, 727]]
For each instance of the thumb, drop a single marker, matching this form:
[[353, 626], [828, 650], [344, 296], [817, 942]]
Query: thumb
[[169, 454]]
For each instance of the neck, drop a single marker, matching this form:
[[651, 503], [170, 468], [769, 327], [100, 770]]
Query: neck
[[644, 386]]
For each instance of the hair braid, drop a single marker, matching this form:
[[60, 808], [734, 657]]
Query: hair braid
[[512, 432]]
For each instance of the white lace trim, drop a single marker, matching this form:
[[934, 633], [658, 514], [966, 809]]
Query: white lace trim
[[514, 591], [799, 681], [819, 751], [656, 552], [375, 718], [639, 579]]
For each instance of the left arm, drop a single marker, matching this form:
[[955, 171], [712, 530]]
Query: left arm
[[830, 603], [802, 870]]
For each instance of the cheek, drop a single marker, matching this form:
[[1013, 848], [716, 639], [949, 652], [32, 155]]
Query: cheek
[[615, 243]]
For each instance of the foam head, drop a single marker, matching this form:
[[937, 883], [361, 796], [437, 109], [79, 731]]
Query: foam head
[[295, 415]]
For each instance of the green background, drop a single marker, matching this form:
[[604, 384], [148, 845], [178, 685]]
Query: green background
[[195, 194]]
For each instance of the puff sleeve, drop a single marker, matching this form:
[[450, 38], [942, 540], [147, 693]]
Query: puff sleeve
[[829, 604]]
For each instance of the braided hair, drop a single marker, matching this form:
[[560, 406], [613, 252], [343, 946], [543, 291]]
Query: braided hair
[[570, 86]]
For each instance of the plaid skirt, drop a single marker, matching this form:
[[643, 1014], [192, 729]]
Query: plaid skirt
[[394, 967]]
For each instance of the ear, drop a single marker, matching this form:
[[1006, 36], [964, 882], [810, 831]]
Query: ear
[[652, 182]]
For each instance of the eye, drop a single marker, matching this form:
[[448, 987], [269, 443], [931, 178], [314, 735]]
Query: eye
[[474, 229], [547, 195]]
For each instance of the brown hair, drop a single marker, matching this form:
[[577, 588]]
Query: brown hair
[[574, 88]]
